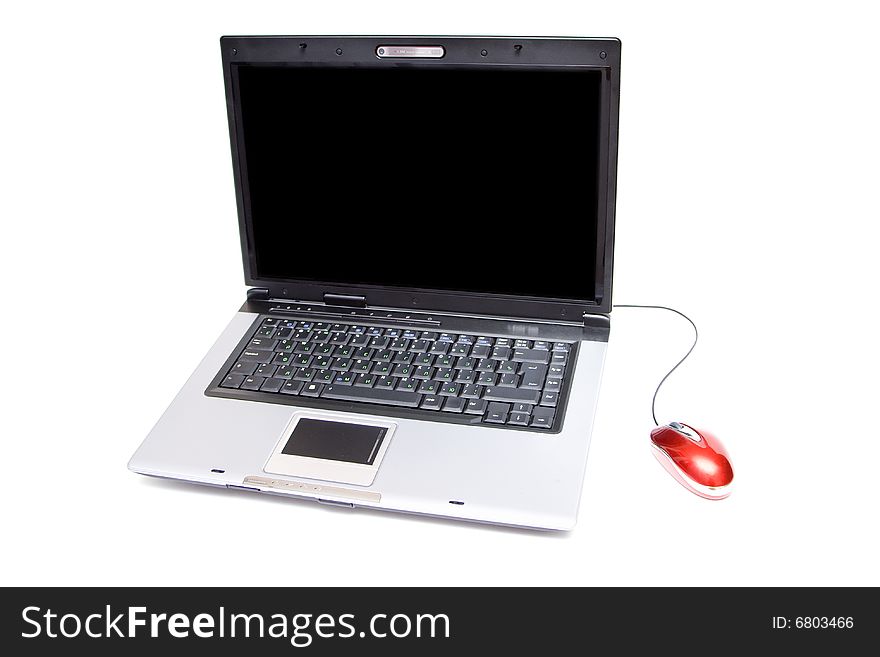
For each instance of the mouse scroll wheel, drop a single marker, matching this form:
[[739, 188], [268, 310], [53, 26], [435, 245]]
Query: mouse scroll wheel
[[685, 431]]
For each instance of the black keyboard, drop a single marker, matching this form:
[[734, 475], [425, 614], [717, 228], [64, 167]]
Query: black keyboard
[[504, 381]]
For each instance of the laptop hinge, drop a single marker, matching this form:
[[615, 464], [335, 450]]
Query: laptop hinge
[[347, 300], [258, 293]]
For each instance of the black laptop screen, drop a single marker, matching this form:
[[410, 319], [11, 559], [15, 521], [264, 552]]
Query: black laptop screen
[[477, 180]]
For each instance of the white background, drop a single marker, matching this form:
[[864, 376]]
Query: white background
[[747, 197]]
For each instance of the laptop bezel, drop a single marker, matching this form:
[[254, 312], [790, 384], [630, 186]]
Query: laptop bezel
[[595, 53]]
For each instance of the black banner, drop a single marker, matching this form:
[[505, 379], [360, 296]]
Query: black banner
[[421, 621]]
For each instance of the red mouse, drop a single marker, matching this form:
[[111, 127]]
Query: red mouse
[[696, 459]]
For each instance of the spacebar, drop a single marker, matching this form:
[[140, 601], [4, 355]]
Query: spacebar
[[512, 395], [373, 395]]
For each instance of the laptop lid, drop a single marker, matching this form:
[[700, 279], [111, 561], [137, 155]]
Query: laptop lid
[[461, 174]]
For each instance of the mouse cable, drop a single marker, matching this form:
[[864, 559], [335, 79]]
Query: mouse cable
[[696, 337]]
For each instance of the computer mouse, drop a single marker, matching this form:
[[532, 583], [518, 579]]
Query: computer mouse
[[696, 459]]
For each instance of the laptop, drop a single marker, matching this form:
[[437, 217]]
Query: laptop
[[427, 232]]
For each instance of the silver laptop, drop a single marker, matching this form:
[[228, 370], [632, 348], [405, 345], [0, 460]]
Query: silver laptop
[[426, 230]]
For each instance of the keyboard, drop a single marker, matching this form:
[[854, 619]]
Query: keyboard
[[492, 380]]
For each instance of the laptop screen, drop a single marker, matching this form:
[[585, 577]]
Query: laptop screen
[[465, 179]]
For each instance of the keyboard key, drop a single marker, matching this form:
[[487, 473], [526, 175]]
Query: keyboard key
[[324, 376], [383, 356], [361, 366], [561, 346], [359, 340], [404, 371], [386, 382], [300, 360], [339, 338], [270, 321], [559, 358], [487, 379], [501, 353], [379, 342], [304, 374], [497, 413], [472, 391], [419, 346], [486, 365], [552, 385], [522, 407], [549, 398], [409, 385], [284, 333], [465, 363], [313, 390], [450, 389], [522, 344], [252, 383], [382, 368], [530, 356], [304, 347], [243, 367], [533, 375], [465, 376], [266, 370], [373, 396], [454, 404], [512, 395], [445, 375], [285, 372], [543, 417], [444, 360], [460, 349], [508, 367], [403, 357], [542, 345], [291, 388], [439, 348], [266, 332], [475, 407], [232, 381], [257, 355], [344, 378], [423, 372], [481, 351], [263, 343], [507, 380], [272, 385], [365, 380], [519, 419], [429, 387], [556, 372], [431, 402]]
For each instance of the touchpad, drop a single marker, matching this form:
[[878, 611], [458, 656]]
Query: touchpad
[[338, 441], [331, 448]]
